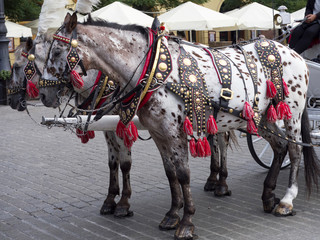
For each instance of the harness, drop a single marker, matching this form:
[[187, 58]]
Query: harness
[[30, 70]]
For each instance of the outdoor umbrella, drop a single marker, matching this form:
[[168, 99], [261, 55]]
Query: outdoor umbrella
[[123, 14], [17, 30], [190, 16], [254, 16]]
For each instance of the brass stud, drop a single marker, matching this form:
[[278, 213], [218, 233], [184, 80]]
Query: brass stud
[[163, 67], [187, 61], [193, 78], [223, 62], [73, 59], [74, 43], [159, 76], [31, 57], [163, 57], [271, 58]]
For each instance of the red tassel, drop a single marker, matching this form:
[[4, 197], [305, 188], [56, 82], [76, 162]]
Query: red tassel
[[271, 89], [187, 127], [272, 114], [133, 131], [285, 88], [192, 146], [212, 125], [287, 111], [91, 134], [200, 148], [120, 129], [128, 139], [207, 148], [32, 90], [247, 111], [251, 127], [79, 133], [84, 138], [280, 110], [76, 79]]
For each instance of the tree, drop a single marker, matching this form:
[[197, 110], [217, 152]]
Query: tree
[[151, 5], [292, 5], [22, 10]]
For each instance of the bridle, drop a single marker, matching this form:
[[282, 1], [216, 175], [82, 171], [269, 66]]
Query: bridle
[[30, 70]]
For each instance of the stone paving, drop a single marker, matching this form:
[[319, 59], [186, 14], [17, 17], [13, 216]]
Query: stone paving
[[52, 187]]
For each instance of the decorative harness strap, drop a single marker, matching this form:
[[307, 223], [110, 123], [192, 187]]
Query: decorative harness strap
[[276, 87]]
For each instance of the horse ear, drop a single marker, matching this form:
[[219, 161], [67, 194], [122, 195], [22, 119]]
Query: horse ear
[[29, 44], [67, 18], [70, 25]]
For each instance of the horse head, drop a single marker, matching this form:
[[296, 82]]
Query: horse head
[[79, 47], [24, 75]]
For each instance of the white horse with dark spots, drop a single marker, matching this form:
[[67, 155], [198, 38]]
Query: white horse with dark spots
[[248, 86]]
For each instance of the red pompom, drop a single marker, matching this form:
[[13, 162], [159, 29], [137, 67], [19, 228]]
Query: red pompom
[[32, 90], [207, 148], [162, 27], [285, 88], [247, 111], [200, 148], [212, 125], [120, 129], [84, 138], [192, 146], [271, 89], [91, 134], [280, 110], [187, 127], [272, 114], [251, 127], [287, 111], [76, 79], [133, 131]]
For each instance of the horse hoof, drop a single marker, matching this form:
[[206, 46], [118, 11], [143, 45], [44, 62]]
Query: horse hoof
[[107, 209], [122, 213], [185, 233], [210, 186], [169, 222], [221, 191], [269, 204], [284, 210]]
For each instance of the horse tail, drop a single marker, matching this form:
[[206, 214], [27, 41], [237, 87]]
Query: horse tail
[[311, 161], [234, 139]]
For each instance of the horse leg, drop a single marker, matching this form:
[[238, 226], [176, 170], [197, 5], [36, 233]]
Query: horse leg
[[109, 204], [222, 187], [279, 147], [122, 208], [212, 180]]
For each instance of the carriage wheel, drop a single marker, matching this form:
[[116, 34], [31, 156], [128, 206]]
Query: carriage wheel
[[262, 153]]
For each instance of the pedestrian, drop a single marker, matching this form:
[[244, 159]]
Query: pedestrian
[[303, 35]]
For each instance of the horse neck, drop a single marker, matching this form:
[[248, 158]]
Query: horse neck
[[116, 52]]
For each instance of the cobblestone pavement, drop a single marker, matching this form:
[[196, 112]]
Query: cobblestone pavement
[[52, 187]]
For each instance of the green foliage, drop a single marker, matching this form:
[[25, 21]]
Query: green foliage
[[151, 5], [22, 10], [5, 75], [292, 5]]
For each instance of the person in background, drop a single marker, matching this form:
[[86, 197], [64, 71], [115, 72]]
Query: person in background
[[303, 35]]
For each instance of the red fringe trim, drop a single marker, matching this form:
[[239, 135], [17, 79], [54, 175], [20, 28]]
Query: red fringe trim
[[192, 147], [200, 148], [129, 133], [247, 111], [207, 148], [280, 110], [212, 125], [76, 79], [251, 127], [272, 114], [287, 114], [32, 90], [187, 126], [271, 89], [285, 88], [91, 134]]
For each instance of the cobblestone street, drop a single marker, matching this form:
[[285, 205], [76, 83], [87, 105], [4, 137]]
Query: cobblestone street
[[52, 187]]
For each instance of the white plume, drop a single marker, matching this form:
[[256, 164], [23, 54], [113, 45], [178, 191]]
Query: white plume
[[50, 13], [85, 6]]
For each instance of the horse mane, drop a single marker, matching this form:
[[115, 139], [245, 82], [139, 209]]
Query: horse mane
[[18, 50], [103, 23]]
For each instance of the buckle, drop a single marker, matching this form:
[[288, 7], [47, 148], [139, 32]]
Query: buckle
[[226, 93]]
